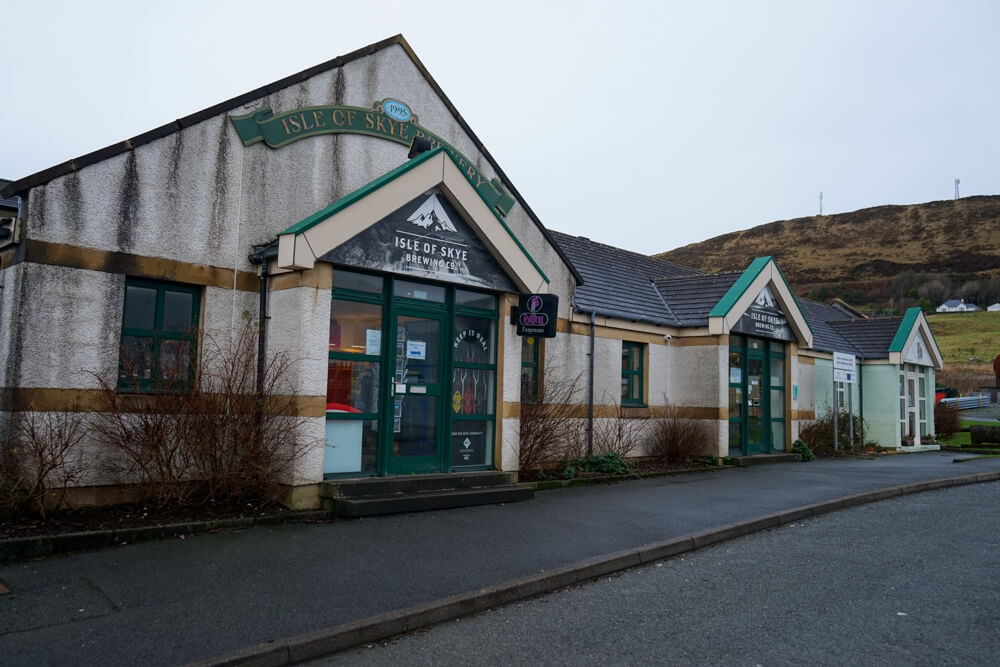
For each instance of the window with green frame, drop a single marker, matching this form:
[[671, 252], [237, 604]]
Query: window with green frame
[[632, 373], [530, 369], [159, 334], [473, 381], [354, 373]]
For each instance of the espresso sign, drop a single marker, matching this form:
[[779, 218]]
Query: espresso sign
[[537, 315]]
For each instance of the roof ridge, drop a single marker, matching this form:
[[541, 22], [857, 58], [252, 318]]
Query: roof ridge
[[666, 305], [74, 164]]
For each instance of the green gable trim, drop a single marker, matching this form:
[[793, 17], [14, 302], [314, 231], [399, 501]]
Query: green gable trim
[[741, 285], [359, 194], [903, 332], [789, 287], [362, 192], [389, 119]]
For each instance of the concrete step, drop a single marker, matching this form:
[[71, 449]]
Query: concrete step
[[404, 485], [428, 500], [764, 459]]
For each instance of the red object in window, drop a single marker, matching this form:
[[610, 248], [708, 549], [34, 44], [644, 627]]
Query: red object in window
[[340, 407]]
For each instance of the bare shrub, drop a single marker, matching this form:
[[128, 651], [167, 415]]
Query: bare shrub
[[212, 438], [819, 434], [550, 427], [40, 458], [674, 439], [618, 434], [945, 420], [967, 378]]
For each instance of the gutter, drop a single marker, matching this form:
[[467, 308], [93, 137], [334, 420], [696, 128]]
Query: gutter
[[590, 372], [262, 256], [621, 315]]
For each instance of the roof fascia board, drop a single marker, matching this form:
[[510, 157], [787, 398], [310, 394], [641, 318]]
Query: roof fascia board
[[46, 175], [344, 202], [726, 303], [918, 327], [498, 237], [761, 273], [903, 332], [301, 244], [489, 157], [51, 173]]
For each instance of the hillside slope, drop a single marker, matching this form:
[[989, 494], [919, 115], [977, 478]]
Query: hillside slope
[[951, 237]]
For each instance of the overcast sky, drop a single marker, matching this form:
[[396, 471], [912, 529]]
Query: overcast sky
[[646, 125]]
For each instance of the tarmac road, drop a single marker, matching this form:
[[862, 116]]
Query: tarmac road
[[906, 581], [179, 600]]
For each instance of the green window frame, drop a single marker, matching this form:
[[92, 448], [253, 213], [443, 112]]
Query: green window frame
[[530, 369], [633, 356], [159, 331]]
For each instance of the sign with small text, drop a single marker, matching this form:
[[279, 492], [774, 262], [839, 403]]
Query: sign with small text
[[537, 315]]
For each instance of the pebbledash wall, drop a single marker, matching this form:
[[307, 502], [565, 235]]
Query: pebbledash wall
[[183, 206]]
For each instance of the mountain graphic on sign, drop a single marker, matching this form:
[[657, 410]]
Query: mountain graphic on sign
[[431, 216], [765, 299]]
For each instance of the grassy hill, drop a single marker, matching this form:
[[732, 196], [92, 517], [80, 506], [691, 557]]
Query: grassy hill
[[968, 342], [865, 249], [967, 337]]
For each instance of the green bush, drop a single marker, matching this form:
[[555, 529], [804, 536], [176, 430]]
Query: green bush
[[608, 463], [802, 449]]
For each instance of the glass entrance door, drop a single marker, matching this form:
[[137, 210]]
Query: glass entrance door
[[756, 404], [756, 396], [413, 422]]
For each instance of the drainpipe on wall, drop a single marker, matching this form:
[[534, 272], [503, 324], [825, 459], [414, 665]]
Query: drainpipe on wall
[[590, 372], [261, 257], [590, 388], [861, 397]]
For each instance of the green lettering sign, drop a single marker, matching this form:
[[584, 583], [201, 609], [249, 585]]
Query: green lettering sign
[[389, 119]]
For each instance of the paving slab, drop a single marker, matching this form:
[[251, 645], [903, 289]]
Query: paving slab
[[183, 600]]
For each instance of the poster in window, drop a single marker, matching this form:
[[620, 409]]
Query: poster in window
[[416, 349], [373, 342], [469, 443]]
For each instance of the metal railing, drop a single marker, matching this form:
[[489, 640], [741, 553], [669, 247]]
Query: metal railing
[[968, 402]]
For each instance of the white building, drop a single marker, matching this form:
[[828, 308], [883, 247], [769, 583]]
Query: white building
[[393, 283], [957, 306]]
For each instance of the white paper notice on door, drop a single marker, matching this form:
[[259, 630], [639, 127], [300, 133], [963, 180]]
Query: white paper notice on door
[[373, 341], [416, 349]]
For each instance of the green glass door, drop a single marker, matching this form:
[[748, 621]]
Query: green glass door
[[413, 423], [756, 396], [756, 406]]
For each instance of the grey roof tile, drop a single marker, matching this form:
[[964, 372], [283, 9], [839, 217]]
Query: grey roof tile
[[864, 337], [871, 337], [7, 202], [618, 282], [691, 298], [825, 337]]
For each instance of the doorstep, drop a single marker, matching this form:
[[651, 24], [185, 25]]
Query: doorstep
[[376, 496], [764, 459]]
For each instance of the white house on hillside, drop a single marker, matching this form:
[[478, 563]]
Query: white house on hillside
[[957, 306]]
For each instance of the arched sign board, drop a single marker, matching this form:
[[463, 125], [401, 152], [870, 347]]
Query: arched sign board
[[536, 315]]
